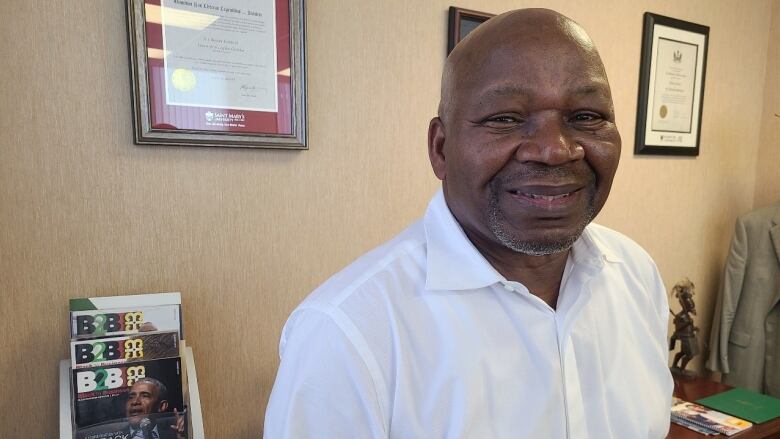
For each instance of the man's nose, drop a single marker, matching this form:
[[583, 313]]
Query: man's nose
[[547, 141]]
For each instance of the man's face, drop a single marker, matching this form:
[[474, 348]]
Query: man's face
[[530, 145], [142, 400]]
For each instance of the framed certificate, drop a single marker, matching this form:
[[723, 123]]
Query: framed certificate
[[461, 22], [671, 86], [218, 72]]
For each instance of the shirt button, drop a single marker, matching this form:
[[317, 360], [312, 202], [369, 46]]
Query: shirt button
[[508, 287]]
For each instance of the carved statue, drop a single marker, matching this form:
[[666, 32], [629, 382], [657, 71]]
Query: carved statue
[[684, 329]]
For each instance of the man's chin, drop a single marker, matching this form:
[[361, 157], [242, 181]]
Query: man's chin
[[541, 247], [536, 244], [537, 238]]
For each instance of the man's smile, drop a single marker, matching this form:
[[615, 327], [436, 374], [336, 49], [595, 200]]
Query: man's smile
[[548, 197]]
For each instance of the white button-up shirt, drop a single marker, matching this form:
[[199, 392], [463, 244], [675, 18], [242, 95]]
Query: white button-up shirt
[[423, 338]]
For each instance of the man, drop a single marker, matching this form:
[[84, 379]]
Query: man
[[502, 314], [147, 397]]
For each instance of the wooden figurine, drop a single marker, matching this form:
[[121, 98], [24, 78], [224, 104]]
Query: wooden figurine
[[684, 329]]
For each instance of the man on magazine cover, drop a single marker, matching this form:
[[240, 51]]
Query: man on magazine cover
[[147, 397], [504, 312]]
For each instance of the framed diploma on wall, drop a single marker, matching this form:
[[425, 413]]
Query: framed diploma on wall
[[671, 86], [218, 72]]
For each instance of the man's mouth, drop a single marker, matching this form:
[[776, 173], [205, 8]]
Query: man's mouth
[[541, 196], [556, 198]]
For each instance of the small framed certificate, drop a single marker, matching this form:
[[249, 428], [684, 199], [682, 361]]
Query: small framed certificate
[[218, 72], [671, 86], [461, 22]]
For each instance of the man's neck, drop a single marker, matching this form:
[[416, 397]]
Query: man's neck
[[542, 275]]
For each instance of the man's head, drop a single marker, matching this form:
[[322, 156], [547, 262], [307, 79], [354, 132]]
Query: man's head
[[146, 396], [525, 142]]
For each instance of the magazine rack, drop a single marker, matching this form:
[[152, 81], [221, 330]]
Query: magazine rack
[[192, 396]]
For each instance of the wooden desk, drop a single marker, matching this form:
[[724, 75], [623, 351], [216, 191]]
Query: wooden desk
[[693, 389]]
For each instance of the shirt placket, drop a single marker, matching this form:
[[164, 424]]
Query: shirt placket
[[551, 335], [579, 284]]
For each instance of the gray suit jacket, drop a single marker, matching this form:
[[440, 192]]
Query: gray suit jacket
[[745, 337]]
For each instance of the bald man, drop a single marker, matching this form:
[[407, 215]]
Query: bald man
[[504, 312]]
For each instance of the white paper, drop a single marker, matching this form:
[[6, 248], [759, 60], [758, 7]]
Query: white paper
[[674, 81], [220, 53], [674, 95]]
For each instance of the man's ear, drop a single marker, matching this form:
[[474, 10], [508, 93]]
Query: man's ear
[[436, 148], [163, 406]]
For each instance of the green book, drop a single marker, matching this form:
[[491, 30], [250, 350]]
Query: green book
[[746, 404]]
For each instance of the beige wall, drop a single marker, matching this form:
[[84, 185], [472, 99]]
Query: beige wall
[[246, 234], [768, 164]]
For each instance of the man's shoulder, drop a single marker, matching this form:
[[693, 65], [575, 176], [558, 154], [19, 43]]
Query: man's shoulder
[[402, 256], [360, 300]]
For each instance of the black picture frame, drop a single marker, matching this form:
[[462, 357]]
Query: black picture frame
[[461, 22], [671, 94]]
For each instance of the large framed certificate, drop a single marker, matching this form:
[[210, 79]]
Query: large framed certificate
[[671, 86], [218, 72]]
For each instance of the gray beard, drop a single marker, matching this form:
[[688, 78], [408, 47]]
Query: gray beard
[[497, 224]]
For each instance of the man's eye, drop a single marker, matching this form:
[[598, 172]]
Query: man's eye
[[502, 121], [587, 117]]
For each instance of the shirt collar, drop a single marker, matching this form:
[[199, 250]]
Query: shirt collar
[[591, 249], [455, 264], [453, 261]]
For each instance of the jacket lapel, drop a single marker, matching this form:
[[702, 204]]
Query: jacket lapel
[[774, 232]]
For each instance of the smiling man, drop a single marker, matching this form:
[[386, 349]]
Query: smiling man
[[504, 312]]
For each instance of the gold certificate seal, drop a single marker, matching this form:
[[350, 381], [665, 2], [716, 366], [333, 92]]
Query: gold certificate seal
[[183, 80], [663, 111]]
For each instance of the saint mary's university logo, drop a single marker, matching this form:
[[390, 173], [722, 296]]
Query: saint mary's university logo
[[225, 119]]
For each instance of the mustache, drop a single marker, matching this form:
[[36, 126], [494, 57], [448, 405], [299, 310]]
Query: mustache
[[536, 171]]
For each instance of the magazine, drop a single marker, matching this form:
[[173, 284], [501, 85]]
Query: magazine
[[128, 348], [691, 426], [129, 301], [122, 321], [103, 394], [708, 418]]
